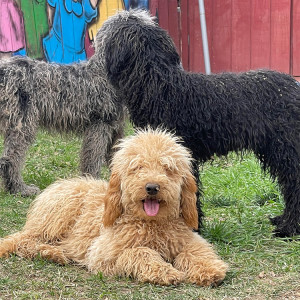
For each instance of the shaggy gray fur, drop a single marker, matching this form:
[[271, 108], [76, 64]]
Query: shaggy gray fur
[[64, 98]]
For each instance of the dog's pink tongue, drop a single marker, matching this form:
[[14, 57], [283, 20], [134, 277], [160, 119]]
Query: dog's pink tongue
[[151, 207]]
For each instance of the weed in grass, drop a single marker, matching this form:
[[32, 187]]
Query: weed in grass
[[266, 198], [221, 201], [219, 231]]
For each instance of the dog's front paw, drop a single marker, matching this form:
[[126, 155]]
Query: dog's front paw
[[174, 277], [209, 275], [52, 253], [285, 228], [169, 276]]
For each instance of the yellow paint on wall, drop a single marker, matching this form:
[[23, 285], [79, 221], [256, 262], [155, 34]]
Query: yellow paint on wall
[[106, 8]]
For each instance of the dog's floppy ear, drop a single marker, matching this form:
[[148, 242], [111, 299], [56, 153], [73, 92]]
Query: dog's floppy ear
[[188, 202], [112, 201], [117, 58], [120, 54]]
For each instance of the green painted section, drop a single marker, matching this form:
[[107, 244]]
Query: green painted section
[[36, 26]]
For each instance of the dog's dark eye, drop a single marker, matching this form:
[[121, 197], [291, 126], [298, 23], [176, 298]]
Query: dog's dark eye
[[169, 170]]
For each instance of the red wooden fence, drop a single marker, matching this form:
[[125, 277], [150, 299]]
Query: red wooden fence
[[295, 41], [242, 34]]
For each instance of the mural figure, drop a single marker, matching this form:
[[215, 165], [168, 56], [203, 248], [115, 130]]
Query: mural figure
[[69, 19], [12, 35], [36, 26], [106, 9]]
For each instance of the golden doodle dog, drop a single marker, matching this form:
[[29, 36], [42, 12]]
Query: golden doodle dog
[[139, 224]]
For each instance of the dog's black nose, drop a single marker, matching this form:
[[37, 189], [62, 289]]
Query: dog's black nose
[[152, 188]]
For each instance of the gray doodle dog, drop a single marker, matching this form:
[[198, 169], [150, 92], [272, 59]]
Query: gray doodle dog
[[63, 98]]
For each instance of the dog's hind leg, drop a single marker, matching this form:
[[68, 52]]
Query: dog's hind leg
[[283, 160], [199, 194], [9, 244], [288, 224], [97, 144], [22, 243], [29, 246], [16, 143]]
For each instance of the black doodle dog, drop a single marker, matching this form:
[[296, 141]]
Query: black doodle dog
[[215, 114]]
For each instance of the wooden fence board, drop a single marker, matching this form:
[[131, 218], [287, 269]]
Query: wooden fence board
[[153, 7], [221, 42], [260, 34], [185, 34], [280, 35], [174, 24], [163, 14], [296, 38], [196, 62], [241, 35]]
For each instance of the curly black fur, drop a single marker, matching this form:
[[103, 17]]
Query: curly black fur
[[215, 114]]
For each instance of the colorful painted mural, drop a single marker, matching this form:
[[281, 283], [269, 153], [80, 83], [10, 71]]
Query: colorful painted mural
[[12, 32], [106, 9], [65, 41], [36, 26], [60, 31]]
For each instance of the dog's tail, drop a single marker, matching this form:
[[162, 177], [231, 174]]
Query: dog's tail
[[20, 243]]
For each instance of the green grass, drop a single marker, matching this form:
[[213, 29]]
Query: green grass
[[238, 200]]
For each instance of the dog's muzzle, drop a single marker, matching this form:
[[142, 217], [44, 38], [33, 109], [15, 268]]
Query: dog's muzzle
[[151, 204], [152, 188]]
